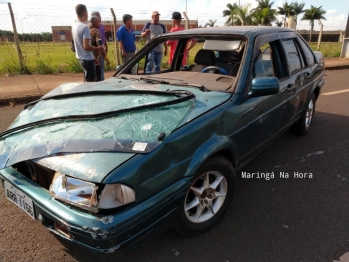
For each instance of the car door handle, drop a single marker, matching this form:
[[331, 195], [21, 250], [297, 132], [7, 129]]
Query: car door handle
[[291, 88], [307, 75]]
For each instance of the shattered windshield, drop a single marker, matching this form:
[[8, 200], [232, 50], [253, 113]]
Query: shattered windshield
[[208, 61], [127, 130]]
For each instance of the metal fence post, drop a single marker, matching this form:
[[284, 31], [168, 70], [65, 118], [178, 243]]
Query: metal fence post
[[18, 48], [186, 20], [117, 50]]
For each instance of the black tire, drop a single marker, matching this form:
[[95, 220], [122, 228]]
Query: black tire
[[302, 126], [216, 170]]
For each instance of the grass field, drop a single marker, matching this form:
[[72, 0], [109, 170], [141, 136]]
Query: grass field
[[55, 58]]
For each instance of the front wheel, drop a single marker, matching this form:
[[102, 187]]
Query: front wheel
[[208, 196], [302, 126]]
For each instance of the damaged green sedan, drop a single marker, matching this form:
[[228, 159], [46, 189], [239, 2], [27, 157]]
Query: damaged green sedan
[[112, 163]]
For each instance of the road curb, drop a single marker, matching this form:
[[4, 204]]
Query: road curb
[[14, 100], [27, 99], [339, 67]]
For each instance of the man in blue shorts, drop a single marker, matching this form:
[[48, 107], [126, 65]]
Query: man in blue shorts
[[150, 31]]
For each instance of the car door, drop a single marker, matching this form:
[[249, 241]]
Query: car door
[[298, 82], [261, 115], [308, 58]]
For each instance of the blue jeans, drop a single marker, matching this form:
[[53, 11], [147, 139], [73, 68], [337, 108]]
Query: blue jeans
[[101, 65], [154, 57], [89, 70]]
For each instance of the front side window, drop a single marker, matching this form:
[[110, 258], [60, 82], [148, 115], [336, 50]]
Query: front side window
[[293, 58], [263, 66]]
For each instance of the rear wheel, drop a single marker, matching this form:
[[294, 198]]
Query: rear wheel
[[302, 126], [208, 196]]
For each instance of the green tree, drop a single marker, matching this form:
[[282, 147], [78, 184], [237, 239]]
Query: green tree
[[263, 4], [278, 23], [244, 16], [312, 14], [286, 10], [264, 14], [211, 23], [230, 13], [298, 9]]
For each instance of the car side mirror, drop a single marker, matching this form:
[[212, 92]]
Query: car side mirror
[[264, 86]]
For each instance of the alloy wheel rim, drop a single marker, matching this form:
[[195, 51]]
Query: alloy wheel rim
[[309, 114], [205, 197]]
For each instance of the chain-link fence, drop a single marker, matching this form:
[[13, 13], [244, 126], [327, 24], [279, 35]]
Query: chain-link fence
[[44, 34]]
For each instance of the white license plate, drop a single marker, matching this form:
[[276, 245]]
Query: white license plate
[[20, 199]]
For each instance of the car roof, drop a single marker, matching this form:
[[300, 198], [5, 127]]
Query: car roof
[[240, 30]]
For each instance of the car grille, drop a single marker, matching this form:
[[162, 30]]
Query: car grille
[[41, 175]]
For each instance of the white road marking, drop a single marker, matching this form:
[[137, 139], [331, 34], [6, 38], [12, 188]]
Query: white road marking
[[335, 92]]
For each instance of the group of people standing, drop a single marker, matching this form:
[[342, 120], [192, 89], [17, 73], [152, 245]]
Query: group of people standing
[[126, 38], [91, 46]]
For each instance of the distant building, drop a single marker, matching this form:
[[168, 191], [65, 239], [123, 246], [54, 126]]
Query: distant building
[[327, 36], [5, 39], [138, 25], [61, 34]]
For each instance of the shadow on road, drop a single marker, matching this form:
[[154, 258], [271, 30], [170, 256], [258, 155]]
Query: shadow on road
[[276, 219]]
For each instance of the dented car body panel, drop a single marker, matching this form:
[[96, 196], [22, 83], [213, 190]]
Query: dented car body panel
[[117, 133], [148, 135], [105, 233]]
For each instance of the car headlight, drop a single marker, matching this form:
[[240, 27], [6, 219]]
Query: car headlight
[[115, 195], [84, 194]]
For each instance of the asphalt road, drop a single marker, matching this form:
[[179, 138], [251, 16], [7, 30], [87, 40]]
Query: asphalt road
[[280, 219]]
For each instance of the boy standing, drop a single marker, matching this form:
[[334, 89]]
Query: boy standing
[[176, 26], [104, 42]]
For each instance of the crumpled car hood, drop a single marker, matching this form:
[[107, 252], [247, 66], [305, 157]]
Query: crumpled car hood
[[131, 132], [91, 167]]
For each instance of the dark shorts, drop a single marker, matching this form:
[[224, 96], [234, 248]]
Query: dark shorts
[[89, 70]]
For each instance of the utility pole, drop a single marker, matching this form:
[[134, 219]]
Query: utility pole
[[345, 44]]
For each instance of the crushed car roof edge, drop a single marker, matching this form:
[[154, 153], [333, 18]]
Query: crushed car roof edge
[[242, 30]]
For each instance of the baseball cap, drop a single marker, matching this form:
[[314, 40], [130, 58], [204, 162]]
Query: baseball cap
[[155, 13], [176, 15]]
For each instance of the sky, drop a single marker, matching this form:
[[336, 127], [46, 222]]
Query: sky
[[40, 15]]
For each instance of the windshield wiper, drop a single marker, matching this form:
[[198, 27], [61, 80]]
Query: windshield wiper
[[175, 83], [180, 97], [158, 81], [153, 81], [200, 87], [101, 92]]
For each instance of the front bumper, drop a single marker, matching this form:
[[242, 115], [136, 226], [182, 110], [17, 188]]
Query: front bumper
[[112, 233]]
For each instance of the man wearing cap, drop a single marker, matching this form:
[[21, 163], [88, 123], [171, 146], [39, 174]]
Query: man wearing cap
[[176, 26], [151, 30]]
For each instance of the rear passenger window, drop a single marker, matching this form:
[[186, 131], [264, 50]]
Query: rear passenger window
[[294, 62], [307, 52]]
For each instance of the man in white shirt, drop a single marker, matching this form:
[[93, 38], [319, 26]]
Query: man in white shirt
[[82, 42]]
